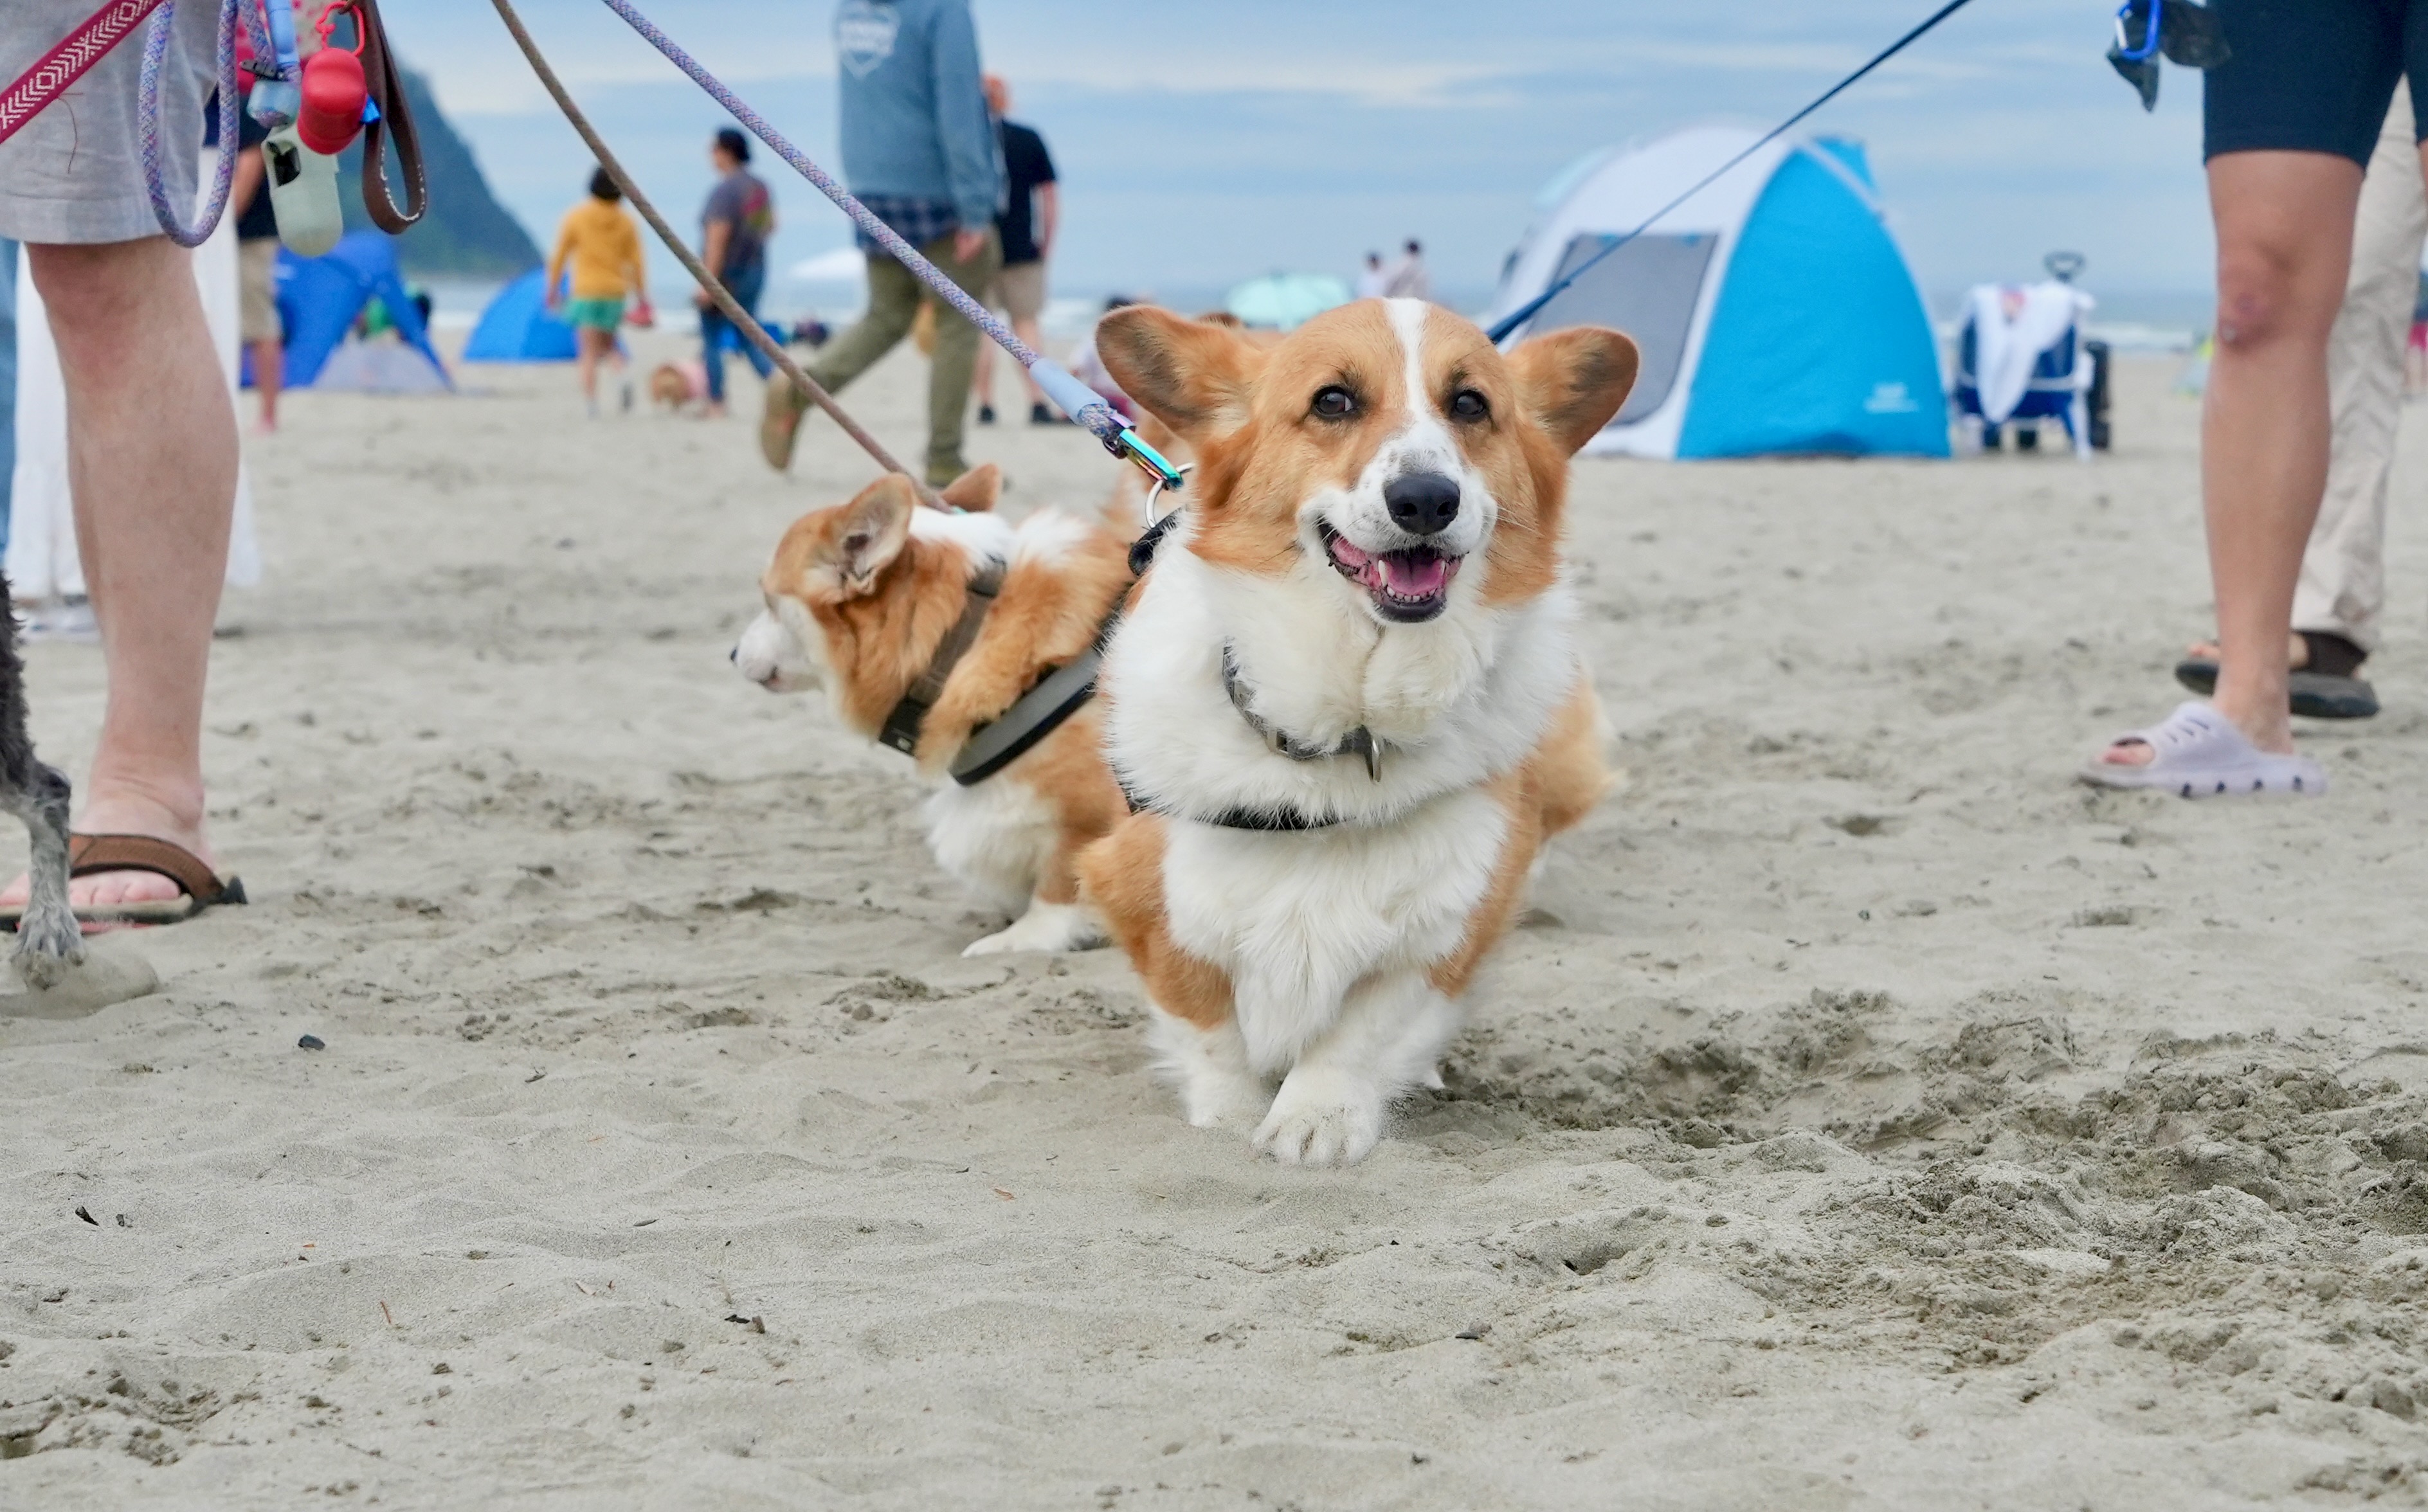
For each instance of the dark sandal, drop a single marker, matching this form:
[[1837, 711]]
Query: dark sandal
[[2328, 687], [198, 886]]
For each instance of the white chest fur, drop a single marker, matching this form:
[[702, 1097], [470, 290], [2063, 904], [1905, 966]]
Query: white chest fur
[[1297, 920], [1457, 702]]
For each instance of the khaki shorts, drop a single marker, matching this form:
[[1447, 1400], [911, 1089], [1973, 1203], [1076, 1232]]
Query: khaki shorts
[[1019, 291], [257, 291], [74, 174]]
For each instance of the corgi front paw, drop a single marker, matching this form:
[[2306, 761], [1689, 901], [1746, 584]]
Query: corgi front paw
[[1321, 1119]]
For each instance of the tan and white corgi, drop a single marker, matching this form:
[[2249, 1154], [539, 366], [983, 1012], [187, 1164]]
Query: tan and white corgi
[[925, 628], [1347, 699]]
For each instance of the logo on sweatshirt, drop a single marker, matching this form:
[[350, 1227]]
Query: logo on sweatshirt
[[864, 33]]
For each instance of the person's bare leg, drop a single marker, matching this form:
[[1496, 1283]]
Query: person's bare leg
[[2284, 231], [269, 377], [152, 459], [588, 346]]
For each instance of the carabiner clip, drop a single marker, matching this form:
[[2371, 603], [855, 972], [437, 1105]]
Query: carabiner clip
[[1153, 461], [2149, 47]]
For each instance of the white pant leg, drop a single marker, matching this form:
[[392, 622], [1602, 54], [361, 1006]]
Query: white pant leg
[[42, 518], [2343, 571], [217, 273]]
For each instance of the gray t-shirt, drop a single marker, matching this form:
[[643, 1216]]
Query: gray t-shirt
[[741, 199]]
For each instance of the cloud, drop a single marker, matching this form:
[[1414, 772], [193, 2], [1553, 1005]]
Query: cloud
[[1204, 141]]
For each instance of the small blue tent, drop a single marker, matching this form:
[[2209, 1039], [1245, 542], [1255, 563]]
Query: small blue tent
[[517, 326], [320, 297], [1773, 309]]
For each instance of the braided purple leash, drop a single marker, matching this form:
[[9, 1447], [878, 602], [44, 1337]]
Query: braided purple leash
[[156, 52], [1075, 399]]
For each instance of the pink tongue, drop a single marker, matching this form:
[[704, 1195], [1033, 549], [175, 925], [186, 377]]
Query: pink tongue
[[1347, 555], [1414, 577]]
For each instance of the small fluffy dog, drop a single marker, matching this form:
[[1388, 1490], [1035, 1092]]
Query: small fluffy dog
[[1346, 701], [925, 628], [671, 385]]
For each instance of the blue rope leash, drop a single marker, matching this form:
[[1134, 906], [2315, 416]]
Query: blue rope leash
[[1518, 317], [156, 52], [1075, 398]]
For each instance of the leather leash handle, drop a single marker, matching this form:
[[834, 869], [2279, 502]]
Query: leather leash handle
[[395, 119]]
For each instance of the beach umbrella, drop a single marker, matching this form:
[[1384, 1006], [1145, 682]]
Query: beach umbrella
[[1286, 301]]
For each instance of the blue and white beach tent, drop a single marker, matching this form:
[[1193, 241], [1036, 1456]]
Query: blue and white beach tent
[[519, 327], [1775, 313]]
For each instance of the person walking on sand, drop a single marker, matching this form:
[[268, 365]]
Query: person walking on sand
[[603, 245], [735, 227], [258, 325], [2292, 118], [151, 440], [1031, 209], [2340, 596], [919, 150], [1409, 280], [1371, 280]]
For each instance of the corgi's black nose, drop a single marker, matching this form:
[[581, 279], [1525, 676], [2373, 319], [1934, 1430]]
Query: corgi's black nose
[[1423, 503]]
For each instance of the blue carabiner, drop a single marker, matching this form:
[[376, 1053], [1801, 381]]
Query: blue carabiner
[[2149, 41]]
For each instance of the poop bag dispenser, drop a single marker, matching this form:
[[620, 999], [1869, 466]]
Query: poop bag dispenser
[[334, 91], [303, 192]]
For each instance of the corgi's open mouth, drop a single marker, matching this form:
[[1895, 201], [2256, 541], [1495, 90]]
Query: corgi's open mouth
[[1411, 584]]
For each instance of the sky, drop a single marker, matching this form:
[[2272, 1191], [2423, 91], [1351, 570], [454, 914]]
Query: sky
[[1202, 142]]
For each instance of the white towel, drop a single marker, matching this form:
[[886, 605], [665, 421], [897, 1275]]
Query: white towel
[[2012, 327]]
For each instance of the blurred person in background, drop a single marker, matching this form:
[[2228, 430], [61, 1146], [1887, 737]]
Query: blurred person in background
[[919, 151], [600, 242], [735, 227], [1408, 279], [1032, 207], [1371, 280]]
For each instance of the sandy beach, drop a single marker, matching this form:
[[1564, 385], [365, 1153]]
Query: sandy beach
[[1868, 1116]]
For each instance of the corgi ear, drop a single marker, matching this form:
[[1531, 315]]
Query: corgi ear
[[1194, 376], [976, 490], [1574, 381], [874, 527]]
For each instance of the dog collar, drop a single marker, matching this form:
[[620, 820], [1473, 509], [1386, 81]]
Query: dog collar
[[903, 721], [1272, 821], [1359, 742]]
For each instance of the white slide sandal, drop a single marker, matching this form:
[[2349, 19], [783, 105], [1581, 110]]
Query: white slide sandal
[[2201, 754]]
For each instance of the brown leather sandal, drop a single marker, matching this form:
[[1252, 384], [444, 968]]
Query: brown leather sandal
[[201, 887]]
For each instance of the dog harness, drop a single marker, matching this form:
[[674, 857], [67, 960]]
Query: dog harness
[[1056, 695], [903, 721]]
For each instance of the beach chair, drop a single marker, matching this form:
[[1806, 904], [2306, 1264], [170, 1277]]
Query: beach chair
[[2068, 381]]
